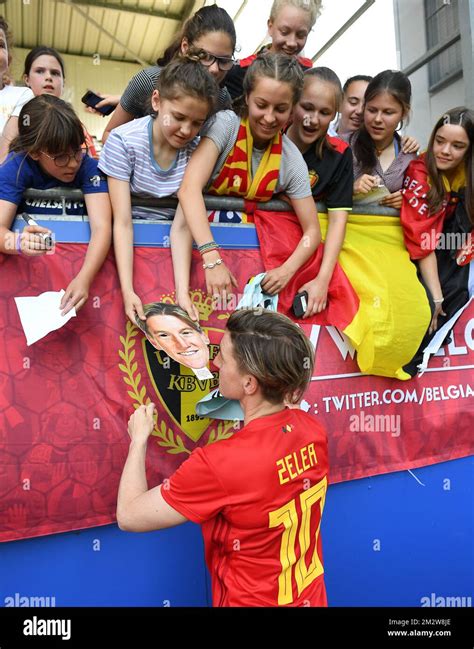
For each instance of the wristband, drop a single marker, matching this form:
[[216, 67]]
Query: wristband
[[439, 301], [208, 247], [212, 265], [18, 244]]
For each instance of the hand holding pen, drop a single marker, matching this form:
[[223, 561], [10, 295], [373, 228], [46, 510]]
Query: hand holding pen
[[34, 240]]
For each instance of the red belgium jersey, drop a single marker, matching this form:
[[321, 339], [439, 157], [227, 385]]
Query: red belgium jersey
[[260, 497]]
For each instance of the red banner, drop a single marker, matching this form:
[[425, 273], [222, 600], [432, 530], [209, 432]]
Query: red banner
[[65, 401]]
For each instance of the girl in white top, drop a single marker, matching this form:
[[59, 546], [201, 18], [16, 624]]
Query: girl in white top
[[149, 156], [12, 99]]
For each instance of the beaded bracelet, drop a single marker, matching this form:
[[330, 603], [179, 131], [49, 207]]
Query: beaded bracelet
[[211, 265], [208, 247]]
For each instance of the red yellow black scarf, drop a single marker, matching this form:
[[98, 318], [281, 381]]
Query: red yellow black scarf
[[235, 177]]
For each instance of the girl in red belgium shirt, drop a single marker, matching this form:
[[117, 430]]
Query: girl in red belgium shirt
[[258, 495], [437, 214]]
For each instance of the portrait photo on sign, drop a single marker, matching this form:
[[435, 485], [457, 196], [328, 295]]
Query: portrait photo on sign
[[169, 329]]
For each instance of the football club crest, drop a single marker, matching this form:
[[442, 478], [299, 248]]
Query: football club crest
[[313, 178], [172, 354], [179, 389]]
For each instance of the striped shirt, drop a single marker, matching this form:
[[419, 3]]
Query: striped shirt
[[128, 155], [136, 99]]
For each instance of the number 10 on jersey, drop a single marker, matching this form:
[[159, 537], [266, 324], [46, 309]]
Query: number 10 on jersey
[[288, 517]]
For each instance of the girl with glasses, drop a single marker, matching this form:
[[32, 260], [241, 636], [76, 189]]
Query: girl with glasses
[[210, 33], [49, 152]]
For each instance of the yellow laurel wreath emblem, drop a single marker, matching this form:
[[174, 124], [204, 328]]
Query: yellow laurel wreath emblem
[[166, 438]]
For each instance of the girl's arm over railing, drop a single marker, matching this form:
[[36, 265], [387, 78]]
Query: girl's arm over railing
[[100, 219], [181, 242], [317, 288], [219, 279], [26, 242], [123, 245]]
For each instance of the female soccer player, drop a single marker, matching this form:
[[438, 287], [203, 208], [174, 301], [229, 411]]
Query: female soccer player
[[265, 486]]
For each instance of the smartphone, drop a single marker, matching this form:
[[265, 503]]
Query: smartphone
[[91, 99], [300, 304]]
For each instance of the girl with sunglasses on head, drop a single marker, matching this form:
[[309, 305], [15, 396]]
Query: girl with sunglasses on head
[[45, 74], [289, 25], [246, 157], [49, 152], [209, 34]]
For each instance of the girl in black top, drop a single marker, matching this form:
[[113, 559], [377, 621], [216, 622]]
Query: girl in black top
[[329, 161]]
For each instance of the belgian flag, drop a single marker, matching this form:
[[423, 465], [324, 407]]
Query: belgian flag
[[374, 297]]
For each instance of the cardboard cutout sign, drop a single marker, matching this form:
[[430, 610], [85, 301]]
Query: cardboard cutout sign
[[169, 328]]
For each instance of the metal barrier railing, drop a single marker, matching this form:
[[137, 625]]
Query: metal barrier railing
[[229, 203]]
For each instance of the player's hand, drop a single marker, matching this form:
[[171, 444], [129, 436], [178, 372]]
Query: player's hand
[[75, 296], [365, 183], [394, 200], [31, 244], [317, 290], [141, 423], [275, 280], [133, 307]]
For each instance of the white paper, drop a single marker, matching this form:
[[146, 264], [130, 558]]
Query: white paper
[[374, 196], [203, 373], [41, 314]]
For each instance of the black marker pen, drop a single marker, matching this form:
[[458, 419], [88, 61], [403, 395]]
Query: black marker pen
[[47, 238]]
